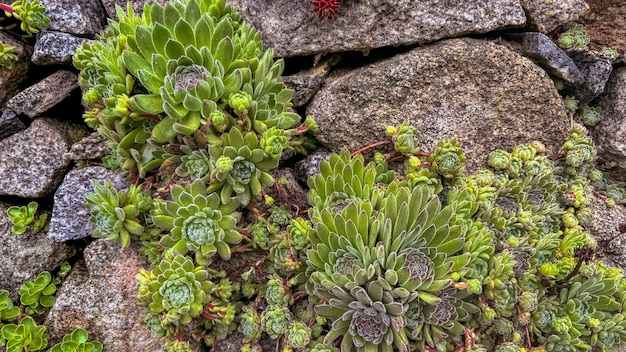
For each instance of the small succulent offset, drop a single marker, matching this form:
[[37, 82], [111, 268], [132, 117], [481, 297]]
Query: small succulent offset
[[575, 37], [175, 289], [7, 310], [77, 341], [26, 336], [198, 223], [7, 55], [591, 116], [23, 216], [117, 213], [38, 295], [30, 13]]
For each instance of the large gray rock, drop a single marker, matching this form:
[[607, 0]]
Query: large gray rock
[[99, 295], [610, 133], [545, 16], [596, 69], [31, 161], [55, 48], [479, 92], [25, 256], [70, 216], [553, 59], [11, 78], [294, 29], [605, 227], [80, 18], [45, 94]]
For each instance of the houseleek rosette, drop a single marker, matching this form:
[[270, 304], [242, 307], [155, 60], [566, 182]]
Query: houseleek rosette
[[198, 223], [240, 167], [175, 288]]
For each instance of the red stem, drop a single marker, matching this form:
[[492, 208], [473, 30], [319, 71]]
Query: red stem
[[377, 144], [6, 8]]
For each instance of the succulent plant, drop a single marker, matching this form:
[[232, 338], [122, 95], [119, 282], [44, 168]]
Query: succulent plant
[[298, 335], [23, 216], [404, 139], [38, 295], [591, 116], [31, 15], [574, 37], [240, 167], [250, 324], [175, 288], [77, 341], [447, 158], [275, 320], [198, 223], [194, 164], [26, 336], [116, 213], [7, 55], [8, 311]]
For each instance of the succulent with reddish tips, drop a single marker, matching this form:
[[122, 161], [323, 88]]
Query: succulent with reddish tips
[[326, 8]]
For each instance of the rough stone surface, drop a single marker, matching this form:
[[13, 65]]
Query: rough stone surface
[[25, 256], [11, 78], [610, 133], [53, 48], [604, 227], [304, 86], [596, 69], [91, 147], [70, 216], [542, 50], [310, 165], [40, 97], [362, 25], [288, 192], [31, 161], [10, 124], [109, 5], [606, 24], [81, 18], [100, 296], [479, 92], [545, 16]]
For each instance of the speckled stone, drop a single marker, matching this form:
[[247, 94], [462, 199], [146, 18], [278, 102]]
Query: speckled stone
[[596, 69], [25, 256], [304, 86], [45, 94], [91, 147], [70, 216], [310, 165], [31, 161], [99, 295], [362, 25], [546, 15], [10, 124], [604, 226], [55, 48], [81, 18], [479, 92], [610, 133], [606, 24], [11, 78], [542, 50]]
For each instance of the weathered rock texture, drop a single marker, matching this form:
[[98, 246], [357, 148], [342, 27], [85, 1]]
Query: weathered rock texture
[[542, 50], [596, 69], [606, 24], [25, 256], [479, 92], [70, 216], [100, 296], [10, 123], [55, 48], [40, 97], [294, 29], [81, 18], [31, 161], [11, 78], [610, 134], [91, 147], [604, 226], [545, 16]]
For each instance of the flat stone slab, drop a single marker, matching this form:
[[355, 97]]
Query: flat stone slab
[[610, 133], [45, 94], [294, 29], [31, 161], [548, 55], [70, 216], [545, 16], [481, 93], [55, 48], [81, 18], [25, 256]]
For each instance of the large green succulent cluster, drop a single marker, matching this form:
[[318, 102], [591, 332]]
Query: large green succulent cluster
[[385, 259]]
